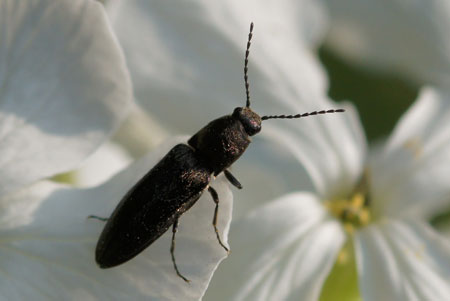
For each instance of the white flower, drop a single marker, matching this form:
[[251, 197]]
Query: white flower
[[407, 37], [64, 88], [51, 254], [286, 249], [49, 90]]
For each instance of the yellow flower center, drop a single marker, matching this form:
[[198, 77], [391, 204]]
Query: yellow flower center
[[353, 213]]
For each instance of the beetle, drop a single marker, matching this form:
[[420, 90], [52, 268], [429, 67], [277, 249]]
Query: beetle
[[175, 183]]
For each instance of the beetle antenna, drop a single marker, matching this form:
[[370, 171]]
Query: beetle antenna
[[302, 115], [250, 35]]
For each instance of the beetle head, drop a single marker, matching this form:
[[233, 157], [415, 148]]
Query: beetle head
[[249, 119]]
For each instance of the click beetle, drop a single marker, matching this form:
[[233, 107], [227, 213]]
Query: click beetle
[[175, 183]]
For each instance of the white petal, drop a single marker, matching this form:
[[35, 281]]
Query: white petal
[[332, 148], [51, 256], [411, 175], [140, 133], [64, 87], [186, 59], [266, 171], [282, 251], [403, 260], [410, 37], [108, 160]]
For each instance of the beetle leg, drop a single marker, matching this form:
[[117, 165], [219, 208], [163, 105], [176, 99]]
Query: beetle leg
[[103, 219], [232, 179], [215, 197], [172, 250]]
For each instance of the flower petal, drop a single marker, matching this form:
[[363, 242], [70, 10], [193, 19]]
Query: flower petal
[[64, 87], [266, 171], [403, 260], [107, 161], [410, 176], [332, 149], [186, 59], [282, 251], [410, 37], [50, 255], [139, 134]]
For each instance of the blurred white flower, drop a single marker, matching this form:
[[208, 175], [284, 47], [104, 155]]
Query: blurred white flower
[[55, 107], [64, 89], [47, 247], [286, 249], [407, 37]]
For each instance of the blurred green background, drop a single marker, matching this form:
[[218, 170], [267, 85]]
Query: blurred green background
[[380, 98]]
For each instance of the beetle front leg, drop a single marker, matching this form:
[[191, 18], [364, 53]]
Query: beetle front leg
[[232, 179], [215, 197]]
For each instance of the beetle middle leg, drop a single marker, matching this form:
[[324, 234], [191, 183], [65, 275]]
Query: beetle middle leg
[[103, 219], [172, 251], [232, 179], [215, 197]]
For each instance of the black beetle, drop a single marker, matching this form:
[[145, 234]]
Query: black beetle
[[173, 185]]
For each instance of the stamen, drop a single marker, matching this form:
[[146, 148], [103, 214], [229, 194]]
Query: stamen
[[353, 213]]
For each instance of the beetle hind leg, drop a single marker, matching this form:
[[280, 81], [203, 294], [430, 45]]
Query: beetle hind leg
[[172, 251], [103, 219], [215, 197], [232, 179]]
